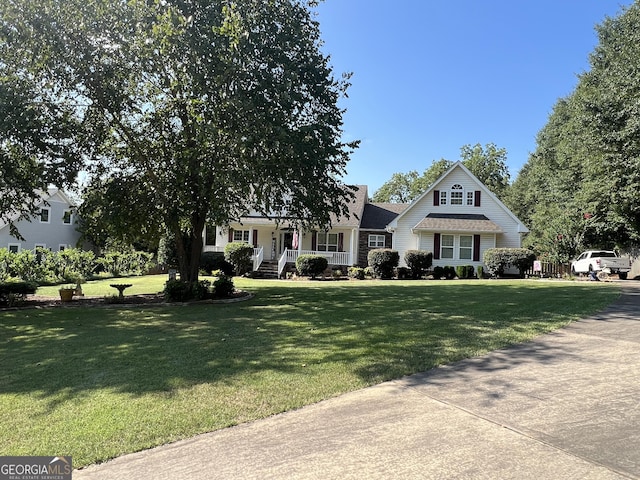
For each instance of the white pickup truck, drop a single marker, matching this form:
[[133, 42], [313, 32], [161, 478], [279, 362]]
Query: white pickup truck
[[601, 260]]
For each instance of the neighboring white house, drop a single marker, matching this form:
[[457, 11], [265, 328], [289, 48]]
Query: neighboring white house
[[457, 219], [54, 227]]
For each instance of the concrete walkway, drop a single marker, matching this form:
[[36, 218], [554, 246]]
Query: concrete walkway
[[565, 406]]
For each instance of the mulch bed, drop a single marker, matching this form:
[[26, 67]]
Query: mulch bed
[[41, 301]]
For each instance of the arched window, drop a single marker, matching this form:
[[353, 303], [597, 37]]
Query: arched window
[[457, 193]]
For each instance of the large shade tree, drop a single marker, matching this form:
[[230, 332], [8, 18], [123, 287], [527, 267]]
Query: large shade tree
[[198, 110], [583, 180]]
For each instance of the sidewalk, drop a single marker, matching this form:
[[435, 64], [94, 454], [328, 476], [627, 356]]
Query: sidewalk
[[564, 406]]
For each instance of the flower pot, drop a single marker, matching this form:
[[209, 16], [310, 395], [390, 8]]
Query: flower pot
[[66, 294]]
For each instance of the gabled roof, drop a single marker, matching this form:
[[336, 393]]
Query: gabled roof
[[481, 186], [43, 197], [457, 222], [377, 216]]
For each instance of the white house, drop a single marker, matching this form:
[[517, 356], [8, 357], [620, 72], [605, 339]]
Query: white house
[[54, 227], [457, 219]]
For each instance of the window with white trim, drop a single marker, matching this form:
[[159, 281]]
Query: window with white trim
[[466, 247], [456, 194], [210, 235], [62, 247], [67, 217], [443, 197], [470, 199], [446, 246], [44, 215], [241, 236], [14, 247], [376, 241], [327, 242]]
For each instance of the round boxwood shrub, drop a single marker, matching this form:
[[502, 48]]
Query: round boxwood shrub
[[383, 261], [464, 271], [356, 272], [311, 265], [239, 255], [438, 272], [418, 261]]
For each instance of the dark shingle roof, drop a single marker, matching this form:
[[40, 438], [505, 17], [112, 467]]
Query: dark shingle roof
[[378, 215]]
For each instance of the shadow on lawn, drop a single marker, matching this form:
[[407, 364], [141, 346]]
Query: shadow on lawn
[[378, 331]]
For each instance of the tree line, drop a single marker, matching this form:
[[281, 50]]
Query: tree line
[[580, 188]]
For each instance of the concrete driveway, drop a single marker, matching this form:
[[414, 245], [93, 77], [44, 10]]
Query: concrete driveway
[[565, 406]]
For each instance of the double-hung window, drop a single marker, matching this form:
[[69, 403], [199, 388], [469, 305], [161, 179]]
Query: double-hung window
[[44, 215], [446, 246], [466, 247], [456, 194], [327, 242], [67, 217], [376, 241], [241, 236]]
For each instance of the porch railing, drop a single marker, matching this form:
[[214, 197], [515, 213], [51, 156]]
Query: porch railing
[[334, 258], [258, 257]]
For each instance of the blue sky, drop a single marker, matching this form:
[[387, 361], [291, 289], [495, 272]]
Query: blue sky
[[430, 76]]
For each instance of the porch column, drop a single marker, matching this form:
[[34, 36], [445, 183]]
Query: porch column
[[354, 246]]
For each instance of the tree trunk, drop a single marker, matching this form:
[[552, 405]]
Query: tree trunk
[[189, 246]]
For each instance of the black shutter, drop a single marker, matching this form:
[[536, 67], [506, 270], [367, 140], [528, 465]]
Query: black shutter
[[476, 198], [476, 248], [436, 198], [436, 246]]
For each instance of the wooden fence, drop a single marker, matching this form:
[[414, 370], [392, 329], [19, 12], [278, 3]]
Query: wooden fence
[[549, 270]]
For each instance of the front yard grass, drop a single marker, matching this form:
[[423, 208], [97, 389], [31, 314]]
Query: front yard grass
[[96, 382]]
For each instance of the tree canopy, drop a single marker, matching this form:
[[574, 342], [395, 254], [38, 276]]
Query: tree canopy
[[581, 186], [488, 163], [189, 111]]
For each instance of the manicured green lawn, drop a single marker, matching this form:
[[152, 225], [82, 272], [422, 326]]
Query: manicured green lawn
[[96, 382]]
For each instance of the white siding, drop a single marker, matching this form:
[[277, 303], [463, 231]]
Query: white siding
[[52, 234], [404, 239]]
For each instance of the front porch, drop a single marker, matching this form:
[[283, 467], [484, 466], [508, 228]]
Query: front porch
[[283, 246]]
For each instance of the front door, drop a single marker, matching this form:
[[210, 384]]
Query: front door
[[286, 241]]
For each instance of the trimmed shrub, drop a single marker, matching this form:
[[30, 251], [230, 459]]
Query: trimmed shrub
[[480, 272], [178, 291], [498, 259], [438, 272], [449, 272], [356, 272], [464, 271], [311, 265], [383, 261], [418, 261], [15, 292], [223, 284], [239, 255], [403, 273], [212, 261]]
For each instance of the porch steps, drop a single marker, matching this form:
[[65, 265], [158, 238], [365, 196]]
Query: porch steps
[[268, 269]]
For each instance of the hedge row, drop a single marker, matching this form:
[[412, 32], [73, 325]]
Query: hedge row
[[70, 265]]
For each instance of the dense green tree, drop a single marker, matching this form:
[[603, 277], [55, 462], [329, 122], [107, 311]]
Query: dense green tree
[[36, 147], [581, 186], [487, 163], [199, 111]]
